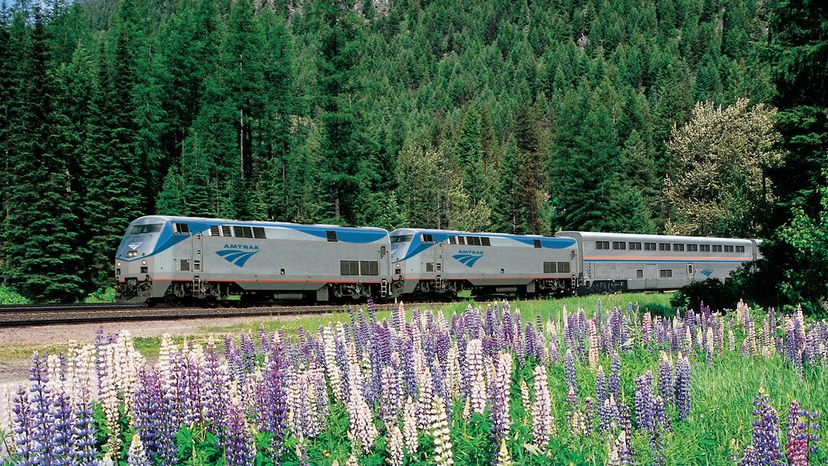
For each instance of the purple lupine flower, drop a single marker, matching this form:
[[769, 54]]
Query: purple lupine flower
[[531, 340], [26, 443], [624, 418], [766, 431], [615, 327], [802, 435], [83, 429], [615, 376], [589, 416], [273, 399], [265, 339], [749, 457], [682, 384], [215, 389], [620, 454], [795, 340], [601, 389], [154, 418], [62, 441], [248, 352], [239, 443], [607, 415], [646, 328], [499, 390], [661, 417], [569, 372], [42, 423], [178, 387], [644, 403], [665, 379]]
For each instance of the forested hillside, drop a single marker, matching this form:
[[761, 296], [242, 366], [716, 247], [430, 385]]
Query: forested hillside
[[524, 117]]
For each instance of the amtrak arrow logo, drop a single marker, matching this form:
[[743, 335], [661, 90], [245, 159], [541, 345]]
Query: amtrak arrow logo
[[237, 257], [468, 258], [707, 272]]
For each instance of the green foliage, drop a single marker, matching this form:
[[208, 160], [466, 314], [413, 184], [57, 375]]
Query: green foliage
[[530, 118], [9, 296], [808, 237], [711, 292]]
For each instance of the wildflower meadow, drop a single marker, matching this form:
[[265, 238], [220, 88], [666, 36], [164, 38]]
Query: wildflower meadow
[[486, 385]]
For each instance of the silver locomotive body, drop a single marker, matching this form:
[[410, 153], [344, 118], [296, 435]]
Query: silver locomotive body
[[446, 262], [178, 258]]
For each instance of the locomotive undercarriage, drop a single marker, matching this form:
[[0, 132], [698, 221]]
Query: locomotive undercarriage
[[199, 292]]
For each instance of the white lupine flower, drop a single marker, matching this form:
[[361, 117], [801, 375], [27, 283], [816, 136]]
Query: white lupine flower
[[361, 425], [524, 395], [137, 455], [164, 365], [503, 456], [410, 426], [55, 375], [424, 392], [452, 379], [593, 343], [443, 455], [395, 447], [542, 422], [331, 367], [109, 397], [474, 375]]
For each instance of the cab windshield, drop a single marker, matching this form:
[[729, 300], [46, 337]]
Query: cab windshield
[[144, 229], [401, 239]]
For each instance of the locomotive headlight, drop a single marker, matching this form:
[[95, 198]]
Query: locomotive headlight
[[144, 262], [119, 264], [132, 254]]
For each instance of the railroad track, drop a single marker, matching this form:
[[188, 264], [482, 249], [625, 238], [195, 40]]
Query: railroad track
[[42, 314]]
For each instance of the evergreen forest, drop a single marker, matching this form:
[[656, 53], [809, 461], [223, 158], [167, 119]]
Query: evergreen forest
[[701, 117]]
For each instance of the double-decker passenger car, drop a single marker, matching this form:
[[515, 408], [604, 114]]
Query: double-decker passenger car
[[179, 258], [617, 262], [445, 262]]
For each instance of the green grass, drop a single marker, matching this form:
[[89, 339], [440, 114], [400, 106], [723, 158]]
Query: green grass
[[657, 303]]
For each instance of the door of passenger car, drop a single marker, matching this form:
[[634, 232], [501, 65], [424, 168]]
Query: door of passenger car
[[651, 276]]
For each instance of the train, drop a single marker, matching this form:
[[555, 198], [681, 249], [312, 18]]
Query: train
[[177, 260]]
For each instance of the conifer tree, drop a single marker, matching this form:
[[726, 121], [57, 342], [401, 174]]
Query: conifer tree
[[509, 211], [6, 87], [340, 151], [41, 233], [242, 69]]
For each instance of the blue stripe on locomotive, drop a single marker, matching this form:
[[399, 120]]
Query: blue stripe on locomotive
[[168, 239], [417, 246]]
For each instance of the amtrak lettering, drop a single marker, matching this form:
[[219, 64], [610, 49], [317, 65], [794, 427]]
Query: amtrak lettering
[[468, 257], [238, 254]]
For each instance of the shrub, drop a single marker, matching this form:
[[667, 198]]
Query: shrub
[[711, 292]]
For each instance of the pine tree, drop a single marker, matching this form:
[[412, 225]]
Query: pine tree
[[274, 159], [189, 46], [509, 211], [242, 68], [469, 154], [6, 87], [420, 179], [529, 136], [340, 152], [41, 234]]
